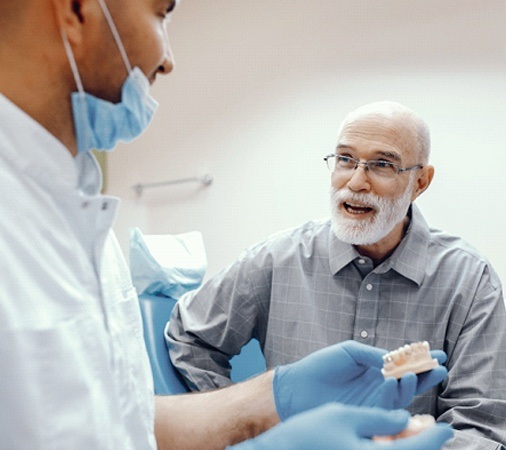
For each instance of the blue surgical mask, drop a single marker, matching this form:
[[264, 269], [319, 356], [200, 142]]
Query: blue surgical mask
[[100, 124]]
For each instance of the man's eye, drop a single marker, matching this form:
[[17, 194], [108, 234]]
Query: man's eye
[[383, 164]]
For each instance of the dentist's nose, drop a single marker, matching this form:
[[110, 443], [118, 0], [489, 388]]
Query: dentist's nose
[[166, 66]]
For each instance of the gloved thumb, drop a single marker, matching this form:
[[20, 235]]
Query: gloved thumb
[[406, 389], [433, 437], [364, 354], [375, 421]]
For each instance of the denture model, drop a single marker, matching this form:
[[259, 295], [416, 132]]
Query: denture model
[[416, 424], [409, 358]]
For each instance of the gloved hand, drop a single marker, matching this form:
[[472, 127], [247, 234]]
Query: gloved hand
[[348, 373], [339, 427]]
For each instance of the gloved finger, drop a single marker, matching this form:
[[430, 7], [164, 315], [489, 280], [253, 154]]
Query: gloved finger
[[440, 355], [390, 395], [432, 438], [430, 379], [364, 354], [386, 395], [407, 387], [376, 421]]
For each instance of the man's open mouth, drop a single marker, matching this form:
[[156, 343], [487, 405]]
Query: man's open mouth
[[355, 208]]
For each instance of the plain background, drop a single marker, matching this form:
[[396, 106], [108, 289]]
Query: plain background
[[258, 93]]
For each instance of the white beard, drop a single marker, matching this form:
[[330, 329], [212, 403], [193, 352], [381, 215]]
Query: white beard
[[389, 212]]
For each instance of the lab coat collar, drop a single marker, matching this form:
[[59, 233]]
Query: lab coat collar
[[42, 156]]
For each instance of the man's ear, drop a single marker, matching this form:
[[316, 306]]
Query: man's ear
[[71, 17], [423, 181]]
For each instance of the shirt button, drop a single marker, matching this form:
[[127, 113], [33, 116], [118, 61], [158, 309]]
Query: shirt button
[[105, 205], [369, 287], [85, 205], [364, 334], [361, 261]]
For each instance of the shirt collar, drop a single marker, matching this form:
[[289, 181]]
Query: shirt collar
[[340, 253], [409, 258], [40, 155]]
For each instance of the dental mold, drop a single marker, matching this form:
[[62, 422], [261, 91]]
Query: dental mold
[[413, 357], [416, 424]]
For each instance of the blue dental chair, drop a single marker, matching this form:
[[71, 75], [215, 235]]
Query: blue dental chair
[[167, 266], [156, 311]]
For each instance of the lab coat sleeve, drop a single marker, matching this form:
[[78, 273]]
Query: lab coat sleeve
[[473, 398], [211, 325]]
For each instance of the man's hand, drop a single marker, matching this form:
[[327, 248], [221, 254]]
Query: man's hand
[[348, 373], [335, 426]]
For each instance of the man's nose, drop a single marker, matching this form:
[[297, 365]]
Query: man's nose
[[359, 179]]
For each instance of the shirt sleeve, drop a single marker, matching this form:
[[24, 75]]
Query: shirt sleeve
[[211, 325], [473, 398]]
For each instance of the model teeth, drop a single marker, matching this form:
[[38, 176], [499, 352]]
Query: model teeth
[[416, 424], [414, 357]]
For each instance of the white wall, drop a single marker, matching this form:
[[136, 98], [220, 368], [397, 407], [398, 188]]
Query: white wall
[[257, 96]]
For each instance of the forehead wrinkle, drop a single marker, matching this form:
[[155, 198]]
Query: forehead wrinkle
[[390, 154], [378, 153], [393, 134]]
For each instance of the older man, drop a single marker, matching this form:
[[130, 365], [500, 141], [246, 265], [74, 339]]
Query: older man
[[375, 273]]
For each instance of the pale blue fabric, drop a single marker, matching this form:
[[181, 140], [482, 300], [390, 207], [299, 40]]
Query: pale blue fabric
[[170, 265], [100, 124]]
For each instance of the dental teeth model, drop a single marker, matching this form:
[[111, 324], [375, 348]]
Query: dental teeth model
[[416, 424], [409, 358]]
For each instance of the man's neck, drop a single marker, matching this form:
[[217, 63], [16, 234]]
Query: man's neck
[[383, 249]]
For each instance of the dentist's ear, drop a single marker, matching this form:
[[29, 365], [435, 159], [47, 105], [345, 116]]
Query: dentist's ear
[[76, 7], [72, 15]]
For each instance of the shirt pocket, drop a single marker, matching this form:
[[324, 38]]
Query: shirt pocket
[[55, 387], [133, 371]]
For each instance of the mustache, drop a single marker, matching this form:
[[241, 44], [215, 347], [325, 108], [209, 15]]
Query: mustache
[[345, 195]]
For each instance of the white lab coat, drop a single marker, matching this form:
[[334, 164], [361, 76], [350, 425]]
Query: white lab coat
[[74, 373]]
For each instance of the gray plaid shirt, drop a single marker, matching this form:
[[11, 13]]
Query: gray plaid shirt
[[303, 289]]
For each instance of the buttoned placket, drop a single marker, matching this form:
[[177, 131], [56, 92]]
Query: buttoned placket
[[367, 302], [96, 214]]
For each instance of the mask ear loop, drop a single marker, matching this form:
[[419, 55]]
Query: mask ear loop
[[72, 61], [115, 34], [77, 78]]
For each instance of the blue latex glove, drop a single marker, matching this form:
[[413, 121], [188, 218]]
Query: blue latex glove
[[348, 373], [339, 427]]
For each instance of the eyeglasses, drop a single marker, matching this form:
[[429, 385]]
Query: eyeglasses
[[380, 167]]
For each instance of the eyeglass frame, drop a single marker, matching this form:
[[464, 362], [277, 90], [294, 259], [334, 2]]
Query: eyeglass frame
[[399, 169]]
